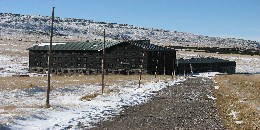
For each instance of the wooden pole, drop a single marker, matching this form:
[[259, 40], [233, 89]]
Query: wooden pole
[[103, 64], [156, 68], [50, 63], [173, 72], [164, 64], [140, 78]]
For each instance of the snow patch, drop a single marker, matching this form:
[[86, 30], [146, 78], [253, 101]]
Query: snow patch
[[211, 97], [233, 114], [13, 65], [216, 87], [206, 74], [68, 111], [238, 122], [47, 44]]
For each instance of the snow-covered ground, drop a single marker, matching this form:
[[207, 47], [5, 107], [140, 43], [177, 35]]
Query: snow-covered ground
[[68, 110], [13, 65], [244, 63]]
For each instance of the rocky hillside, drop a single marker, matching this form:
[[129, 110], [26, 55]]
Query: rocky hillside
[[20, 25]]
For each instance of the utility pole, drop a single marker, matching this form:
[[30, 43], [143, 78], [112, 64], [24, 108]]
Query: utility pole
[[177, 66], [191, 70], [173, 68], [50, 63], [141, 67], [103, 63], [156, 67], [164, 64]]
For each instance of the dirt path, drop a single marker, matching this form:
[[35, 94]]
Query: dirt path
[[184, 106]]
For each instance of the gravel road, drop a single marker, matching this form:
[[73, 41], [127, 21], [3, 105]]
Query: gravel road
[[188, 105]]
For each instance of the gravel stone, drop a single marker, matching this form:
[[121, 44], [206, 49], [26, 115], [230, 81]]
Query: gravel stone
[[183, 106]]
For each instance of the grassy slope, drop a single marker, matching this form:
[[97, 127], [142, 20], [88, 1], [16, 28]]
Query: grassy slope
[[238, 100]]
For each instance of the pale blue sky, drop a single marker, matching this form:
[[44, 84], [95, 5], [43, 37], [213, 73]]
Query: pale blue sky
[[222, 18]]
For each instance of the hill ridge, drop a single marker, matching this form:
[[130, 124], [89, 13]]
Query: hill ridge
[[18, 24]]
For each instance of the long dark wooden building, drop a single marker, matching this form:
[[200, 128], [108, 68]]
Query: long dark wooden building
[[126, 57], [209, 64]]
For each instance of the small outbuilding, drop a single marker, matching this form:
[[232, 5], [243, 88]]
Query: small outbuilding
[[209, 64]]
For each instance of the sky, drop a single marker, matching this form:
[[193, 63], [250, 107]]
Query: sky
[[220, 18]]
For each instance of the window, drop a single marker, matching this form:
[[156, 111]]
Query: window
[[142, 53], [117, 59], [125, 53], [85, 58], [117, 53], [125, 47], [78, 58], [54, 58], [133, 65], [125, 60], [78, 64], [60, 58], [133, 59], [85, 65], [60, 64]]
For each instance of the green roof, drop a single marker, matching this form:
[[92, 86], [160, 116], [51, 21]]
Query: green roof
[[148, 46], [97, 45]]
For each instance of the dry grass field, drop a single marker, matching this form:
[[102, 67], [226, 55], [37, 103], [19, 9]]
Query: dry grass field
[[238, 100], [59, 81]]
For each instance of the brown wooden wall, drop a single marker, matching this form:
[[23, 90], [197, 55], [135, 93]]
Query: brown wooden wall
[[123, 58]]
